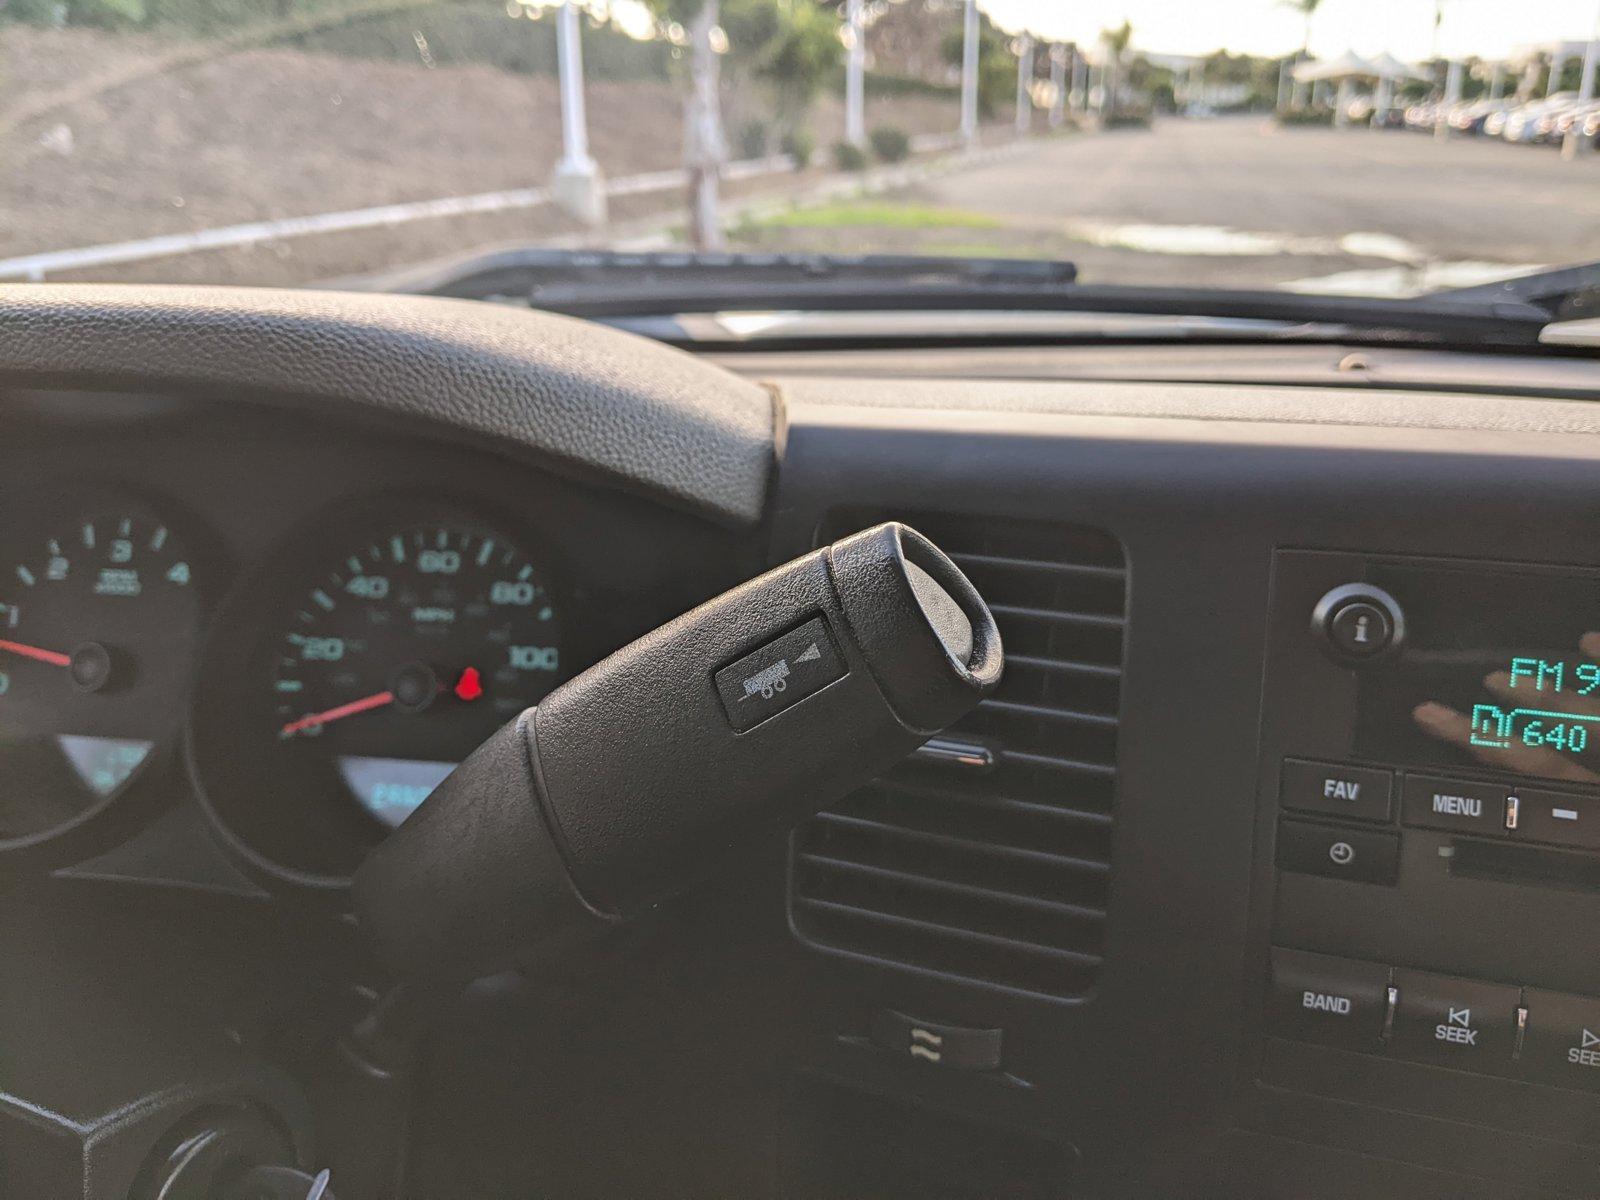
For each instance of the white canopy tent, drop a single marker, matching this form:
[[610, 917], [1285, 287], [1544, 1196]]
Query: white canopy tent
[[1390, 70], [1348, 65], [1387, 66], [1344, 71], [1349, 68]]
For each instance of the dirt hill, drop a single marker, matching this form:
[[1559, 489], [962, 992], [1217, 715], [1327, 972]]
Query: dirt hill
[[273, 132]]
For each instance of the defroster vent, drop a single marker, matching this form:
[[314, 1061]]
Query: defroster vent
[[986, 856]]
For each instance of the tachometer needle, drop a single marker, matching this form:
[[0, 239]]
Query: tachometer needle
[[34, 652], [367, 704]]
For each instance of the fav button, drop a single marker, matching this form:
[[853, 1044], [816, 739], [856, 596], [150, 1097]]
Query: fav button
[[1360, 855], [1334, 1001], [1562, 1042], [1361, 792], [1454, 804], [1453, 1022]]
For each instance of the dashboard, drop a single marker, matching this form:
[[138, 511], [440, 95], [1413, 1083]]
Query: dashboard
[[1269, 871]]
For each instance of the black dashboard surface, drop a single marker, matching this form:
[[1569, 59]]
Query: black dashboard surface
[[708, 1049]]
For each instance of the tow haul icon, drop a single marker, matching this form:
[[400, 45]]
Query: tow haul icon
[[769, 681]]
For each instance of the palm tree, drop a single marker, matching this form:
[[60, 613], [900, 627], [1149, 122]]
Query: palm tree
[[1307, 9], [1116, 43]]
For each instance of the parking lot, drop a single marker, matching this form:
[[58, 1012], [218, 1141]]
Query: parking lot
[[1241, 202]]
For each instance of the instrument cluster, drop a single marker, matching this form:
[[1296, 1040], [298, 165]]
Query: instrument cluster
[[343, 677]]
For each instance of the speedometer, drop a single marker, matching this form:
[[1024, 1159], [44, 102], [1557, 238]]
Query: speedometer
[[404, 655], [348, 674]]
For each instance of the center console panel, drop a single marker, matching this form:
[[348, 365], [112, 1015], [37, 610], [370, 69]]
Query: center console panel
[[1419, 983]]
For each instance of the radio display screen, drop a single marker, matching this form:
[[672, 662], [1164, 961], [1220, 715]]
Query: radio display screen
[[1498, 668]]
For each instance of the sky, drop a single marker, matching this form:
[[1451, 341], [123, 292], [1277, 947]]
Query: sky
[[1405, 28], [1487, 28]]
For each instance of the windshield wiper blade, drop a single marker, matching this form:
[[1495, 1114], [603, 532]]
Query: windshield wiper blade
[[1565, 293], [566, 280], [608, 285]]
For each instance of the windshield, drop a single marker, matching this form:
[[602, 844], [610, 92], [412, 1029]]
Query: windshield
[[1343, 147]]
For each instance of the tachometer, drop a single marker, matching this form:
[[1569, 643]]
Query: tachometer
[[99, 623]]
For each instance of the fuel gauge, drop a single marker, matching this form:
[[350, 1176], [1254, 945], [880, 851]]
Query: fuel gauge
[[99, 625]]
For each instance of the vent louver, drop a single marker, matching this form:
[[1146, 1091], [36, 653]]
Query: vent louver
[[994, 870]]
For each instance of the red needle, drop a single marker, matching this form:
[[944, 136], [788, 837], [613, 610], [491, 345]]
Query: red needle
[[44, 656], [380, 700]]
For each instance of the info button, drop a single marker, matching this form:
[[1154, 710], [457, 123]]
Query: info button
[[1454, 804]]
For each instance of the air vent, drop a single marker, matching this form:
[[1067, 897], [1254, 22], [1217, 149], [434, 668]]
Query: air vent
[[986, 858]]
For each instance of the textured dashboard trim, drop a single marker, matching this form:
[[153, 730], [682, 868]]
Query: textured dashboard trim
[[1259, 404], [594, 398]]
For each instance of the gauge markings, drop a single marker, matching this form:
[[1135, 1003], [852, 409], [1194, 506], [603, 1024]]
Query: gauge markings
[[95, 666], [412, 650]]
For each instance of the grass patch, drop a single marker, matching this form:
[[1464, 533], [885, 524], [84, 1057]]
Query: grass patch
[[858, 215]]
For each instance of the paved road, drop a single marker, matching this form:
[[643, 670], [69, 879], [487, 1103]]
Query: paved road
[[1227, 202], [1239, 202]]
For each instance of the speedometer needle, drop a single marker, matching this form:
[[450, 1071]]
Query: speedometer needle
[[367, 704], [34, 652]]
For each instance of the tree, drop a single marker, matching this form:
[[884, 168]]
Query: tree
[[1116, 42], [793, 47], [1307, 10], [996, 67], [704, 148]]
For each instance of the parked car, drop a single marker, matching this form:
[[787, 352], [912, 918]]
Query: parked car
[[1591, 127], [1470, 117], [1565, 119], [1423, 115], [1522, 124]]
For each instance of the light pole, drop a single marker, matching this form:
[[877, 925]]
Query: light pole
[[969, 74], [1058, 86], [1558, 64], [1575, 143], [855, 61], [1591, 58], [1025, 83], [1452, 94], [578, 186]]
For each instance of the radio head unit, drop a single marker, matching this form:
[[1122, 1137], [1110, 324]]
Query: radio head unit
[[1427, 870]]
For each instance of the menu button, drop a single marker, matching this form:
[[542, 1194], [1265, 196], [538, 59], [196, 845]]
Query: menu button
[[1456, 804]]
